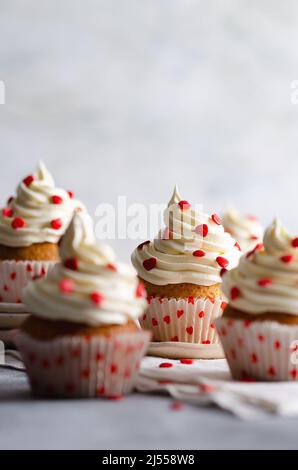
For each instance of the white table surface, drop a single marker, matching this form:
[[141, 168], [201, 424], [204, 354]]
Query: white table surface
[[136, 422]]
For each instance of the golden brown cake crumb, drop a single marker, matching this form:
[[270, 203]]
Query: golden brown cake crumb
[[36, 252], [42, 329], [183, 290], [279, 317]]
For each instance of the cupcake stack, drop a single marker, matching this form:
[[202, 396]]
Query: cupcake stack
[[182, 271], [31, 225]]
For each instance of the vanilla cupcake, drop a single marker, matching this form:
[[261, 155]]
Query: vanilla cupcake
[[82, 338], [31, 226], [246, 229], [259, 329], [181, 270]]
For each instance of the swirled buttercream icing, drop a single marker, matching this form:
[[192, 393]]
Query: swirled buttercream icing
[[39, 213], [193, 248], [266, 279], [246, 229], [87, 287]]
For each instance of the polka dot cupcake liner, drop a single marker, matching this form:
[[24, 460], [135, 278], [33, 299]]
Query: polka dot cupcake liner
[[95, 366], [185, 320], [15, 275], [266, 351]]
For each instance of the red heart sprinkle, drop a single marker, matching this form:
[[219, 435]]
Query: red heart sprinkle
[[99, 357], [141, 246], [247, 323], [7, 212], [295, 242], [167, 319], [189, 330], [202, 230], [261, 338], [238, 246], [114, 368], [112, 267], [223, 331], [149, 263], [264, 282], [294, 373], [70, 193], [184, 205], [212, 325], [165, 365], [191, 300], [223, 305], [56, 224], [175, 338], [223, 272], [186, 361], [43, 271], [28, 180], [154, 322], [96, 297], [13, 276], [57, 199], [66, 286], [235, 293], [180, 313], [199, 253], [140, 291], [18, 223], [144, 317], [72, 263], [277, 345], [206, 341], [201, 314], [287, 258], [223, 262], [216, 219]]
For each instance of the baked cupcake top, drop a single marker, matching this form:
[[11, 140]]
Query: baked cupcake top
[[266, 279], [246, 229], [193, 248], [39, 213], [87, 286]]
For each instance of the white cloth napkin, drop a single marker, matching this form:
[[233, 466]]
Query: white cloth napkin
[[206, 382]]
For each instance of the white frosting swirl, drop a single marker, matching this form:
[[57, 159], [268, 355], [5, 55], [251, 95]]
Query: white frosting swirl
[[86, 287], [267, 279], [184, 252], [39, 204], [245, 229]]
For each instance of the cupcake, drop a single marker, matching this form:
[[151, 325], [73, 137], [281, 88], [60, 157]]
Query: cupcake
[[31, 226], [259, 328], [82, 339], [181, 270], [246, 229]]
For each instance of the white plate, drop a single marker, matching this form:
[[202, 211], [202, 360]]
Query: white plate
[[177, 350], [12, 320], [6, 307]]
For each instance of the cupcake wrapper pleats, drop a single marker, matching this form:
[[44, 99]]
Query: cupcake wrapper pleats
[[83, 366], [185, 320], [260, 350], [15, 275]]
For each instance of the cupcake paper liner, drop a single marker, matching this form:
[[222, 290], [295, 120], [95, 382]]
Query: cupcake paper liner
[[15, 275], [265, 351], [186, 320], [83, 366]]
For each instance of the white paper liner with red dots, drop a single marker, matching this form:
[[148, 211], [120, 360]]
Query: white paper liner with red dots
[[83, 366], [260, 350], [189, 320], [15, 275]]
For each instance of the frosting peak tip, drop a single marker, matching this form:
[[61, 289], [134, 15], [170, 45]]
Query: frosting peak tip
[[175, 196]]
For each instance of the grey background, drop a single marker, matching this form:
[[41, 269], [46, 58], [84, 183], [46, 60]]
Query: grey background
[[127, 98]]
